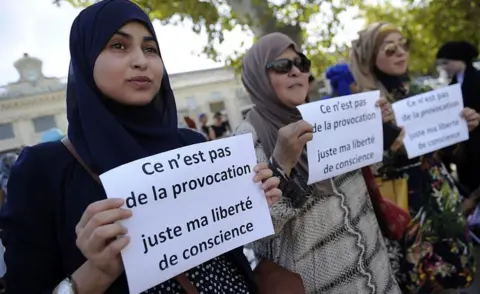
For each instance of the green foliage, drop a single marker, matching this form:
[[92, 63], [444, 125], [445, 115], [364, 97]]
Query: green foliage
[[215, 17], [428, 24]]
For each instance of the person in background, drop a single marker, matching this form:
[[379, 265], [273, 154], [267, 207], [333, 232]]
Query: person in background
[[226, 123], [341, 80], [190, 123], [61, 233], [220, 128], [456, 58], [6, 163], [52, 135], [205, 128], [312, 87]]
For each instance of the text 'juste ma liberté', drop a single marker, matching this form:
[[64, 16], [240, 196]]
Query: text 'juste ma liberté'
[[217, 214]]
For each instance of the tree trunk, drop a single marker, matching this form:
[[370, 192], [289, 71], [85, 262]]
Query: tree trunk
[[261, 19]]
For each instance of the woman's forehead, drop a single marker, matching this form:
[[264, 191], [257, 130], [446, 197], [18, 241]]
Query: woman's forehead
[[393, 37], [288, 53]]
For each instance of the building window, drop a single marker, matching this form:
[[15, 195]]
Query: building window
[[44, 123], [191, 103], [216, 95], [217, 107], [6, 131]]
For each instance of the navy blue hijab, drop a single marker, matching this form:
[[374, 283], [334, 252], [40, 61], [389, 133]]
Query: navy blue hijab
[[105, 133]]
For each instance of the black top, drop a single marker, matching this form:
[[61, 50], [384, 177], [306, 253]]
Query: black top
[[49, 191], [219, 130]]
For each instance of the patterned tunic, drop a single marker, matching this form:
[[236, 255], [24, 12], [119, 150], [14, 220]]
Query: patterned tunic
[[216, 276], [333, 241]]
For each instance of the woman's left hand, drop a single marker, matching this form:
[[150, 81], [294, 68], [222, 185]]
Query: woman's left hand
[[472, 117], [468, 206], [270, 183], [386, 107]]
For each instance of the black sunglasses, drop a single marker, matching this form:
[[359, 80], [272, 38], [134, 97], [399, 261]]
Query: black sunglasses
[[283, 66]]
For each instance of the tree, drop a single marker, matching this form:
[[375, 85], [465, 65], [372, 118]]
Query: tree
[[257, 16], [428, 24]]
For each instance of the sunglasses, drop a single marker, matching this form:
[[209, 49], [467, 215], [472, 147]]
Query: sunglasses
[[391, 48], [283, 66]]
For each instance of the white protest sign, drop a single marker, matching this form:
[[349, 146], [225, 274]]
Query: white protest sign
[[347, 134], [431, 120], [189, 205]]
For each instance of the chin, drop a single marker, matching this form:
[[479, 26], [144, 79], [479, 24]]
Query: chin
[[401, 71], [138, 100], [297, 101]]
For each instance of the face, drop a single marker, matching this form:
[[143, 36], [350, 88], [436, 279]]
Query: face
[[291, 87], [392, 57], [129, 70], [452, 67]]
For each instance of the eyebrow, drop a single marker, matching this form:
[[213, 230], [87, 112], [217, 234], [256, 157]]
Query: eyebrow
[[389, 42], [128, 36]]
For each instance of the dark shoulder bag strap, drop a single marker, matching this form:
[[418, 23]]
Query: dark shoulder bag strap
[[72, 150], [181, 278]]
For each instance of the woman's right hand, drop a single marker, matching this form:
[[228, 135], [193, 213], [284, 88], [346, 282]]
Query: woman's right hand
[[398, 143], [97, 236], [290, 143]]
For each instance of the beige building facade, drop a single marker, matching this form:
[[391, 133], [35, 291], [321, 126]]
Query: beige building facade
[[35, 103]]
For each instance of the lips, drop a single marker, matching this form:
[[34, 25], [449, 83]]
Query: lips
[[295, 85], [140, 79]]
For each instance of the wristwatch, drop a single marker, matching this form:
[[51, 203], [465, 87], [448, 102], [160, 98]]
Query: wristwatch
[[67, 286]]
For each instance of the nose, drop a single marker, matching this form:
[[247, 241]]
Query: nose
[[139, 61], [294, 72], [401, 51]]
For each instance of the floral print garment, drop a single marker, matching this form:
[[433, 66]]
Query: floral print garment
[[436, 252], [438, 249]]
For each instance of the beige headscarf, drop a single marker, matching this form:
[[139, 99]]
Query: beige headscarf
[[363, 55], [269, 114]]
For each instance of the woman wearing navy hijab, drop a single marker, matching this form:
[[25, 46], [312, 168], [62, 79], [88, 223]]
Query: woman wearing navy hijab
[[59, 229]]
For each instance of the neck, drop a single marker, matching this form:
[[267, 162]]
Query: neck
[[391, 82]]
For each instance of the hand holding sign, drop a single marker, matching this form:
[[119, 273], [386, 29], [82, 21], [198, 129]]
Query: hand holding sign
[[97, 233], [270, 184], [290, 143], [386, 108], [472, 117]]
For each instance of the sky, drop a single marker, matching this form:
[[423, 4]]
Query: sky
[[41, 29]]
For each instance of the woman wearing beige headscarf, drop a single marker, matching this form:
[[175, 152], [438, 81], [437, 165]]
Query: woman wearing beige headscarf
[[326, 232], [379, 60]]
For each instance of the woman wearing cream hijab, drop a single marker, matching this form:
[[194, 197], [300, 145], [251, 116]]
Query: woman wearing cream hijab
[[379, 61]]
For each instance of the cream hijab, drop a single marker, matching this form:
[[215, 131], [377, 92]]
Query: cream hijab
[[363, 55]]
